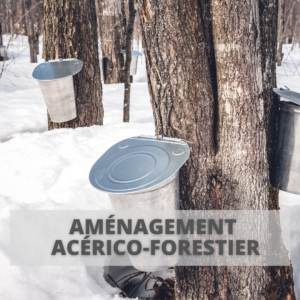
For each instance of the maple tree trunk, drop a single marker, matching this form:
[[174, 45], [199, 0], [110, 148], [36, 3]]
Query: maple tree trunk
[[2, 18], [129, 31], [1, 39], [70, 31], [297, 26], [210, 70], [290, 9], [9, 17], [111, 36], [30, 31], [280, 32], [37, 29]]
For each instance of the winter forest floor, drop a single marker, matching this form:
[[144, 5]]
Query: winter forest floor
[[43, 170]]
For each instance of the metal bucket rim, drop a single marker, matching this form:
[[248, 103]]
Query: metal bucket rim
[[39, 69]]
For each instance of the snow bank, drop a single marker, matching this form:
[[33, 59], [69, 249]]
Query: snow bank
[[50, 171], [43, 170]]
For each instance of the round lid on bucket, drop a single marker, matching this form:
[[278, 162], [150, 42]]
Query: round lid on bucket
[[138, 163], [288, 95], [133, 53], [57, 69]]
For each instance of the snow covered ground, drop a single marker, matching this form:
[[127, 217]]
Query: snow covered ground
[[49, 170], [36, 167]]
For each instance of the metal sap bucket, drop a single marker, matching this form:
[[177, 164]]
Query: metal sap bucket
[[3, 53], [142, 173], [288, 145], [134, 60], [55, 78]]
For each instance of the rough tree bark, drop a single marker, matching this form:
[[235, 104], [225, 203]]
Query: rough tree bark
[[290, 8], [30, 31], [111, 36], [295, 22], [210, 69], [297, 25], [9, 17], [1, 39], [70, 31], [129, 34], [37, 28], [280, 32], [1, 21]]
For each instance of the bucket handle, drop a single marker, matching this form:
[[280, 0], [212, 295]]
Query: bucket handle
[[161, 137]]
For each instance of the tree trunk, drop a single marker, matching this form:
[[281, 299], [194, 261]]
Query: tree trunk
[[289, 22], [129, 33], [30, 31], [210, 70], [1, 21], [297, 26], [280, 37], [1, 39], [70, 31], [37, 29], [9, 10], [111, 35], [43, 51]]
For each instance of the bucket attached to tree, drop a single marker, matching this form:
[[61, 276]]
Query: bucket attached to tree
[[142, 173], [288, 144], [55, 78], [3, 53], [134, 60]]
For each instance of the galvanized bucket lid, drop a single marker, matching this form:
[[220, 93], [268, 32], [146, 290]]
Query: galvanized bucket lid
[[138, 163], [133, 53], [288, 95], [57, 69]]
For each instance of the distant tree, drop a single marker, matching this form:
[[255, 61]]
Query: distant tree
[[211, 70], [127, 85], [1, 39], [280, 31], [288, 22], [37, 25], [1, 20], [32, 38], [70, 31], [9, 14], [297, 25], [112, 35], [113, 15]]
